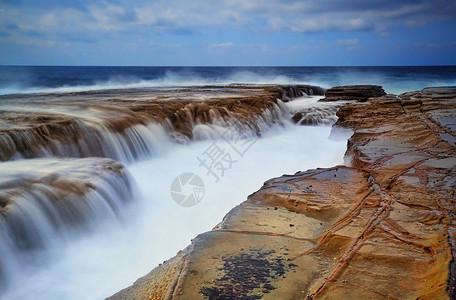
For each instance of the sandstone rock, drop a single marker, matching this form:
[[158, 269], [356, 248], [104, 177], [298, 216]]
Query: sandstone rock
[[383, 227], [353, 92]]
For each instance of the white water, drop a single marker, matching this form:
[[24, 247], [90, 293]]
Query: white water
[[155, 228], [136, 143], [170, 79], [396, 85]]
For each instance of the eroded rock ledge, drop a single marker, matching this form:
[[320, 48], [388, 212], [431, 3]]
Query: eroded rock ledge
[[384, 227], [109, 123], [44, 202]]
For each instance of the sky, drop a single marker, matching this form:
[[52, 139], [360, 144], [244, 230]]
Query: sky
[[228, 32]]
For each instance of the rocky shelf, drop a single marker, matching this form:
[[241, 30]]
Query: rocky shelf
[[84, 124], [381, 227], [353, 92]]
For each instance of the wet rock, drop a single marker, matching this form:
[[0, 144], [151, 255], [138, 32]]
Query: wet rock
[[297, 117], [353, 92], [95, 123], [54, 193], [295, 91], [243, 274]]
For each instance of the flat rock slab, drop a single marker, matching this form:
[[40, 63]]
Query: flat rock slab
[[353, 92]]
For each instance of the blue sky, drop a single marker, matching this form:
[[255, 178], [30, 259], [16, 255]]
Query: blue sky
[[228, 32]]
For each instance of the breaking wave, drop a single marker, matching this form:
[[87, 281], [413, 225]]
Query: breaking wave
[[169, 79], [79, 79]]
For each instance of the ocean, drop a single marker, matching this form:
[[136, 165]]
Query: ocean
[[52, 79]]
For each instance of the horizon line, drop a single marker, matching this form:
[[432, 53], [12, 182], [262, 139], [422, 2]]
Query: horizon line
[[229, 66]]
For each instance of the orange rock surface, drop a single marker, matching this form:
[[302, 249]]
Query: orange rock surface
[[382, 227]]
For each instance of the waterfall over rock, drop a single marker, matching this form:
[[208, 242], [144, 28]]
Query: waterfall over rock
[[139, 125], [47, 202]]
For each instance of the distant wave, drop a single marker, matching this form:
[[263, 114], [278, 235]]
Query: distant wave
[[393, 80], [170, 79]]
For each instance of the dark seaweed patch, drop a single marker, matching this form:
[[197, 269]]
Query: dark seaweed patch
[[247, 275]]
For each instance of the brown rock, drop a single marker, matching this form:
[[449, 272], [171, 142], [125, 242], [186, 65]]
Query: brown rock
[[80, 120], [297, 117], [353, 92]]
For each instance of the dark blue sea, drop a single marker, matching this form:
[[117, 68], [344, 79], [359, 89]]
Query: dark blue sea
[[44, 79]]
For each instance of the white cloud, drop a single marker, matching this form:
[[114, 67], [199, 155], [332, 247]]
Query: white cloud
[[228, 44]]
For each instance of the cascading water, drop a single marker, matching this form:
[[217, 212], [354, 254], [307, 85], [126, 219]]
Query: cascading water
[[51, 257], [308, 111], [247, 128], [48, 202], [82, 140]]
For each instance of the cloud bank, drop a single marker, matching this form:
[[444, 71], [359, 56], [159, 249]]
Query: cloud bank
[[84, 19], [215, 24]]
